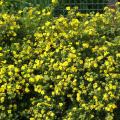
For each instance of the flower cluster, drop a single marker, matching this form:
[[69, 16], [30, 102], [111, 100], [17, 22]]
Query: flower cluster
[[59, 68]]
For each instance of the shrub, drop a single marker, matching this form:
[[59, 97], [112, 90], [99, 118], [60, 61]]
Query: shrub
[[59, 68]]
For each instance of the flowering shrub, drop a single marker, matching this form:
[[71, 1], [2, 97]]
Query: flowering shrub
[[60, 68]]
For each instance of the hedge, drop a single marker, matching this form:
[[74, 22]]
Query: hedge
[[64, 68]]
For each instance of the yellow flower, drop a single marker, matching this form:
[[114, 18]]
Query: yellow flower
[[31, 80], [95, 65], [27, 90], [95, 97], [74, 82], [95, 85], [85, 45], [38, 77], [73, 69], [118, 55], [118, 3], [38, 35], [8, 86], [65, 64], [20, 11], [1, 2], [114, 87], [10, 73], [78, 97], [110, 86], [0, 48], [9, 111], [90, 79], [32, 118], [18, 86], [52, 114], [110, 107], [54, 1], [81, 61], [107, 63], [16, 70], [47, 23], [60, 104], [23, 67], [113, 106], [68, 8], [10, 67], [71, 55], [42, 92], [74, 22], [2, 99], [86, 23], [60, 67], [69, 60], [105, 96], [1, 54]]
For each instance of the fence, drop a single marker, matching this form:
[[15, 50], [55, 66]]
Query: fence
[[83, 5]]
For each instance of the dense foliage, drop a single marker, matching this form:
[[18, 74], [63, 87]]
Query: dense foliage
[[64, 68]]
